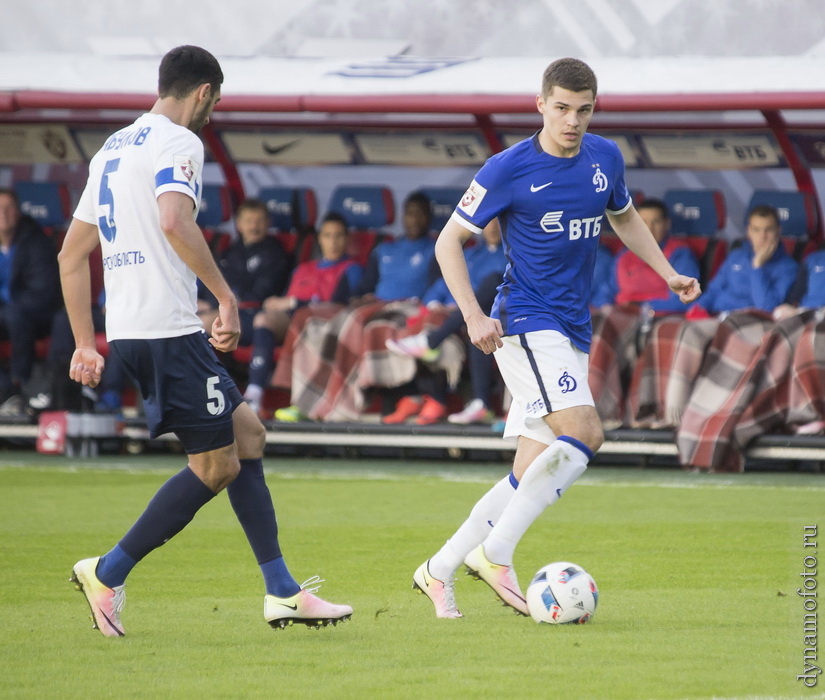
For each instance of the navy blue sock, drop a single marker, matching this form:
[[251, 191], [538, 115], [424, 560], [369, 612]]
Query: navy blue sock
[[170, 510], [253, 507], [114, 567], [260, 366], [278, 580]]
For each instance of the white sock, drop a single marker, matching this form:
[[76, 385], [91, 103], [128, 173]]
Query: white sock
[[545, 480], [253, 396], [472, 532]]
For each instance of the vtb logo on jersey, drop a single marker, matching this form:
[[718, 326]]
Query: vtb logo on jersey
[[589, 227], [600, 180], [551, 222]]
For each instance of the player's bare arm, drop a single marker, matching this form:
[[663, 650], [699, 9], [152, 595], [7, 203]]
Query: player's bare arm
[[484, 332], [633, 232], [186, 238], [81, 239]]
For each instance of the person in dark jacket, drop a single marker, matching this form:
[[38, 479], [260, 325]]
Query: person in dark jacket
[[29, 295], [255, 266]]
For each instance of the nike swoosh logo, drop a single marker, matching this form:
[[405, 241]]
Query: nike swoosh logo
[[490, 523], [520, 597], [112, 624], [275, 150], [291, 607], [533, 188]]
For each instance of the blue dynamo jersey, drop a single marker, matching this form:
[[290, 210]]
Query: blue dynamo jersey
[[550, 210]]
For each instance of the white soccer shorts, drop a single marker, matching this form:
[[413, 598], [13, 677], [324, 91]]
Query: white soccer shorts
[[544, 372]]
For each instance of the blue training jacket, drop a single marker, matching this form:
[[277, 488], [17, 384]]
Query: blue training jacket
[[738, 286]]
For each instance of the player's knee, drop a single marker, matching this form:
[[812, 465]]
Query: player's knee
[[590, 433], [227, 472], [595, 437], [257, 439], [250, 434]]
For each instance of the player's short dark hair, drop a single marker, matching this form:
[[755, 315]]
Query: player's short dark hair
[[419, 198], [653, 203], [252, 204], [570, 74], [336, 218], [11, 193], [765, 210], [185, 69]]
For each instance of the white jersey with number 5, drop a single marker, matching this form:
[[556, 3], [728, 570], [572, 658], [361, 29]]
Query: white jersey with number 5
[[150, 292]]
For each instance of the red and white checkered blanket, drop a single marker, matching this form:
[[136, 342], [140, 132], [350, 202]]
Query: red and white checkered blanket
[[332, 354], [612, 356], [665, 371], [734, 367]]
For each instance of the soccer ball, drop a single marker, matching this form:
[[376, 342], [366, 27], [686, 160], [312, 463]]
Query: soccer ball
[[562, 593]]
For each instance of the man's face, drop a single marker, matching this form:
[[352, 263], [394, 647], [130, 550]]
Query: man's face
[[658, 224], [566, 116], [763, 233], [416, 220], [252, 225], [332, 239], [204, 110], [9, 214]]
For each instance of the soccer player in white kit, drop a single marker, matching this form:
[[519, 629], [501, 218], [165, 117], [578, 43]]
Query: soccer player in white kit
[[550, 193], [140, 205]]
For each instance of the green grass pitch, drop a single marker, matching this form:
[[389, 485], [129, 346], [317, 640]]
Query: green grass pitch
[[697, 577]]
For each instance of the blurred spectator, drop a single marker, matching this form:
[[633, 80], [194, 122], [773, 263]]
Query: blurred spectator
[[756, 275], [754, 279], [29, 295], [332, 354], [808, 291], [334, 277], [255, 266], [634, 282], [485, 263], [403, 268]]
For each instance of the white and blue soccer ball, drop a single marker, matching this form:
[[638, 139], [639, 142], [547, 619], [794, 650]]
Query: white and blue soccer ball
[[562, 593]]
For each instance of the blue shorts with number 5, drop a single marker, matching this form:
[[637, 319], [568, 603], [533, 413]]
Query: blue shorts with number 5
[[185, 389]]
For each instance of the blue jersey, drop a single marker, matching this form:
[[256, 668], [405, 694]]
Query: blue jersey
[[815, 280], [550, 210]]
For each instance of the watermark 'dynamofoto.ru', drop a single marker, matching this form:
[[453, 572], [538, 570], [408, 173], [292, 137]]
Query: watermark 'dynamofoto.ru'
[[808, 593]]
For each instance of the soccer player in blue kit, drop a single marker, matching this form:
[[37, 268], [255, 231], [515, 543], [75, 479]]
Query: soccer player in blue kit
[[140, 205], [550, 193]]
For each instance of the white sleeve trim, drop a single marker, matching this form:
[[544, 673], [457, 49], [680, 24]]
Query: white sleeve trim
[[622, 210], [176, 187], [466, 224]]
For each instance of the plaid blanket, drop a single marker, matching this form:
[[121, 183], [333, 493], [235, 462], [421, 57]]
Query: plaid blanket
[[734, 368], [664, 374], [787, 385], [612, 356], [320, 312], [807, 392], [331, 356]]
